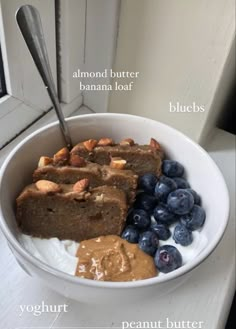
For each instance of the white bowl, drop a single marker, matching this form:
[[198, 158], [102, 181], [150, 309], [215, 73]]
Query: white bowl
[[202, 173]]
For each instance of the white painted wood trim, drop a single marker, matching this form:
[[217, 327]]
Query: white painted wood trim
[[75, 108], [8, 104], [13, 122], [22, 79], [223, 87], [74, 105], [15, 115], [88, 31], [101, 35], [27, 98], [71, 22], [87, 41], [180, 49], [21, 116]]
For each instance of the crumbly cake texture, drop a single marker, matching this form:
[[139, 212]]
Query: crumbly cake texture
[[105, 177], [98, 175], [66, 214], [139, 158]]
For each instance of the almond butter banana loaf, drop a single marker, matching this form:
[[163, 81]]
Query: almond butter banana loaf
[[138, 158], [46, 209], [70, 172]]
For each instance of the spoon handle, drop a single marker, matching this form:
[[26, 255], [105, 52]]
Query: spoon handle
[[30, 25]]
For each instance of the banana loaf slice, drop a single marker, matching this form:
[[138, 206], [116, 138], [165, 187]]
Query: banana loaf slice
[[98, 175], [46, 209], [139, 158]]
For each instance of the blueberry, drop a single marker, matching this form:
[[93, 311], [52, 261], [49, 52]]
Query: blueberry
[[181, 182], [164, 186], [196, 197], [145, 201], [130, 234], [161, 230], [162, 214], [147, 183], [182, 235], [195, 219], [139, 218], [148, 242], [167, 259], [172, 168], [180, 202]]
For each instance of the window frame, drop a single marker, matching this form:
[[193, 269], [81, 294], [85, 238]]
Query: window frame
[[95, 24], [71, 17], [19, 107]]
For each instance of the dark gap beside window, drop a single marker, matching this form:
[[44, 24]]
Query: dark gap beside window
[[227, 119], [2, 78], [231, 319]]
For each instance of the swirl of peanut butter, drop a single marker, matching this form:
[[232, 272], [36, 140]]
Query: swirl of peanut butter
[[110, 258]]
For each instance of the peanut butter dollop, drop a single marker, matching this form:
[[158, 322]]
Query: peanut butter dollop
[[110, 258]]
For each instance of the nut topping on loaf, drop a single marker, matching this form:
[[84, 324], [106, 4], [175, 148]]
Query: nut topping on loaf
[[71, 215], [44, 161], [125, 180], [139, 158], [117, 163], [81, 185], [90, 144], [105, 142], [47, 186], [155, 145], [127, 141], [61, 157]]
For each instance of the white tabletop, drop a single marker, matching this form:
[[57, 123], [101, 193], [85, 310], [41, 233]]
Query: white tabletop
[[205, 297]]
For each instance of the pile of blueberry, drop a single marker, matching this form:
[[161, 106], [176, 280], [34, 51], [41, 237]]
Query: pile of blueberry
[[162, 202]]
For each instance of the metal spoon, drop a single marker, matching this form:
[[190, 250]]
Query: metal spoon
[[29, 22]]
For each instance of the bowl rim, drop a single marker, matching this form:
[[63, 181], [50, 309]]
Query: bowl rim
[[15, 244]]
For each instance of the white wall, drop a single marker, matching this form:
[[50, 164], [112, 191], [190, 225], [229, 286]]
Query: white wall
[[180, 48]]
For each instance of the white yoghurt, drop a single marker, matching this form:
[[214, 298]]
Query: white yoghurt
[[61, 254], [54, 252], [189, 252]]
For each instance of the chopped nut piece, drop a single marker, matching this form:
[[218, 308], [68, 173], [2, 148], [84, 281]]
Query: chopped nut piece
[[117, 163], [90, 144], [100, 197], [47, 186], [154, 144], [61, 157], [44, 161], [105, 142], [127, 141], [77, 161], [81, 185]]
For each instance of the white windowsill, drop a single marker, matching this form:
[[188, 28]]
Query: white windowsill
[[68, 110]]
